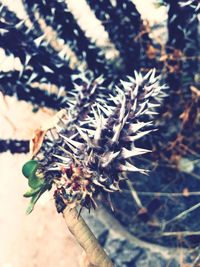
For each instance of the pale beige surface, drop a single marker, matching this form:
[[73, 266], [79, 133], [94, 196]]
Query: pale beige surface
[[40, 239]]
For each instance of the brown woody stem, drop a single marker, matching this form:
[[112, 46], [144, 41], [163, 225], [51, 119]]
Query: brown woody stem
[[77, 226]]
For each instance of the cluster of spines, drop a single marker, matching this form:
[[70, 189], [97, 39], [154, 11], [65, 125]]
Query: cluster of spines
[[76, 106], [101, 148], [86, 92]]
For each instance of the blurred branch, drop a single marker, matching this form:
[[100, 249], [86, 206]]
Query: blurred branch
[[134, 194], [182, 233], [163, 194], [182, 214]]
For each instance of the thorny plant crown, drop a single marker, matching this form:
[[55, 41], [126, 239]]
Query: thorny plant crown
[[92, 146]]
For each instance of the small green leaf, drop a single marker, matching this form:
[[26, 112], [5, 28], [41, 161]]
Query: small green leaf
[[29, 209], [32, 192], [31, 205], [34, 181], [35, 198], [29, 167]]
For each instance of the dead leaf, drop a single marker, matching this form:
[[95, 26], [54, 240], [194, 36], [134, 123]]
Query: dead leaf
[[151, 52], [186, 192], [36, 141], [185, 115], [195, 90], [143, 210], [163, 58], [39, 134]]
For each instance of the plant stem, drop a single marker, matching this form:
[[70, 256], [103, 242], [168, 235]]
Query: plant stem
[[77, 226]]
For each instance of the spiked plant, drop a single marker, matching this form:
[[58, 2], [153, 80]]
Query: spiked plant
[[182, 42], [43, 66], [40, 64], [87, 90], [57, 15], [122, 21], [93, 154], [192, 45], [182, 64]]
